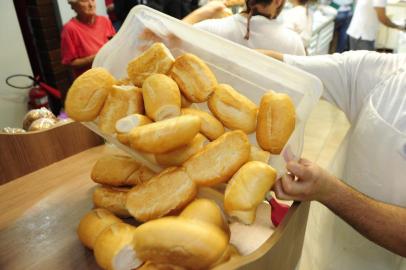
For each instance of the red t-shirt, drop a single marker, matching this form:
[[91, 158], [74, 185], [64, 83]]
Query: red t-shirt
[[80, 40]]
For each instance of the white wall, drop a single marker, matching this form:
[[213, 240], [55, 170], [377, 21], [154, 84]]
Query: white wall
[[67, 13], [13, 60]]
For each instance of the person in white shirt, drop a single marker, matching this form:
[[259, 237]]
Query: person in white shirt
[[369, 87], [299, 19], [342, 22], [256, 27], [364, 25]]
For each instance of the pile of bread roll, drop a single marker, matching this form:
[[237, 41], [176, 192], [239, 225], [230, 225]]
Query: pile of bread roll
[[151, 112]]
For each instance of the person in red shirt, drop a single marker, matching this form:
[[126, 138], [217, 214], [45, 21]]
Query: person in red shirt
[[84, 35]]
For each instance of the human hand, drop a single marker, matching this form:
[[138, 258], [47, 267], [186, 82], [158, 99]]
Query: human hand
[[305, 181]]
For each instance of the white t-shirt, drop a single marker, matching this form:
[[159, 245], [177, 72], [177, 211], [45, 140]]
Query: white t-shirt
[[264, 33], [364, 24], [370, 88], [297, 19]]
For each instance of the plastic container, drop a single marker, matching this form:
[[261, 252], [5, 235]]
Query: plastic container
[[248, 71]]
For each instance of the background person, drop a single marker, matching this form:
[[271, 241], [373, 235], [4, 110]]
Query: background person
[[84, 35], [364, 25], [256, 27]]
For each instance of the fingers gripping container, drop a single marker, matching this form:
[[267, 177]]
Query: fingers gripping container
[[247, 71]]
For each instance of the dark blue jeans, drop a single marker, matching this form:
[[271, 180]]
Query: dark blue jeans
[[342, 22]]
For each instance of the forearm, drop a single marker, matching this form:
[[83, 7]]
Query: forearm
[[273, 54], [382, 223], [82, 62], [384, 19], [196, 16]]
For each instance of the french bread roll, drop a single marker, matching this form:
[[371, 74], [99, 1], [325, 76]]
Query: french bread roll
[[112, 199], [276, 121], [159, 266], [161, 97], [169, 191], [258, 154], [211, 127], [247, 189], [175, 240], [113, 249], [234, 110], [87, 94], [178, 156], [194, 77], [207, 211], [117, 170], [219, 160], [126, 124], [121, 101], [157, 59], [93, 223], [166, 135], [231, 251], [184, 102]]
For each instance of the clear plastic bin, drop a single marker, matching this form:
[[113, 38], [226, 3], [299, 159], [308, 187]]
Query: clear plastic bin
[[248, 71]]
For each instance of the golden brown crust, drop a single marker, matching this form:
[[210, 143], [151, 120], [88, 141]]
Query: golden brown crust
[[247, 189], [257, 154], [158, 266], [112, 199], [207, 211], [87, 94], [113, 248], [93, 223], [276, 121], [211, 127], [178, 156], [170, 190], [166, 135], [161, 97], [194, 77], [157, 59], [121, 101], [117, 170], [188, 243], [234, 110], [219, 160]]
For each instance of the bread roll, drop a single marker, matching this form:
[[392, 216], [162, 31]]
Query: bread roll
[[126, 124], [207, 211], [211, 127], [247, 189], [93, 223], [124, 81], [166, 135], [161, 97], [234, 110], [157, 59], [276, 121], [231, 251], [194, 77], [258, 154], [116, 170], [188, 243], [114, 250], [171, 190], [184, 102], [178, 156], [112, 199], [159, 266], [219, 160], [87, 94], [121, 101]]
